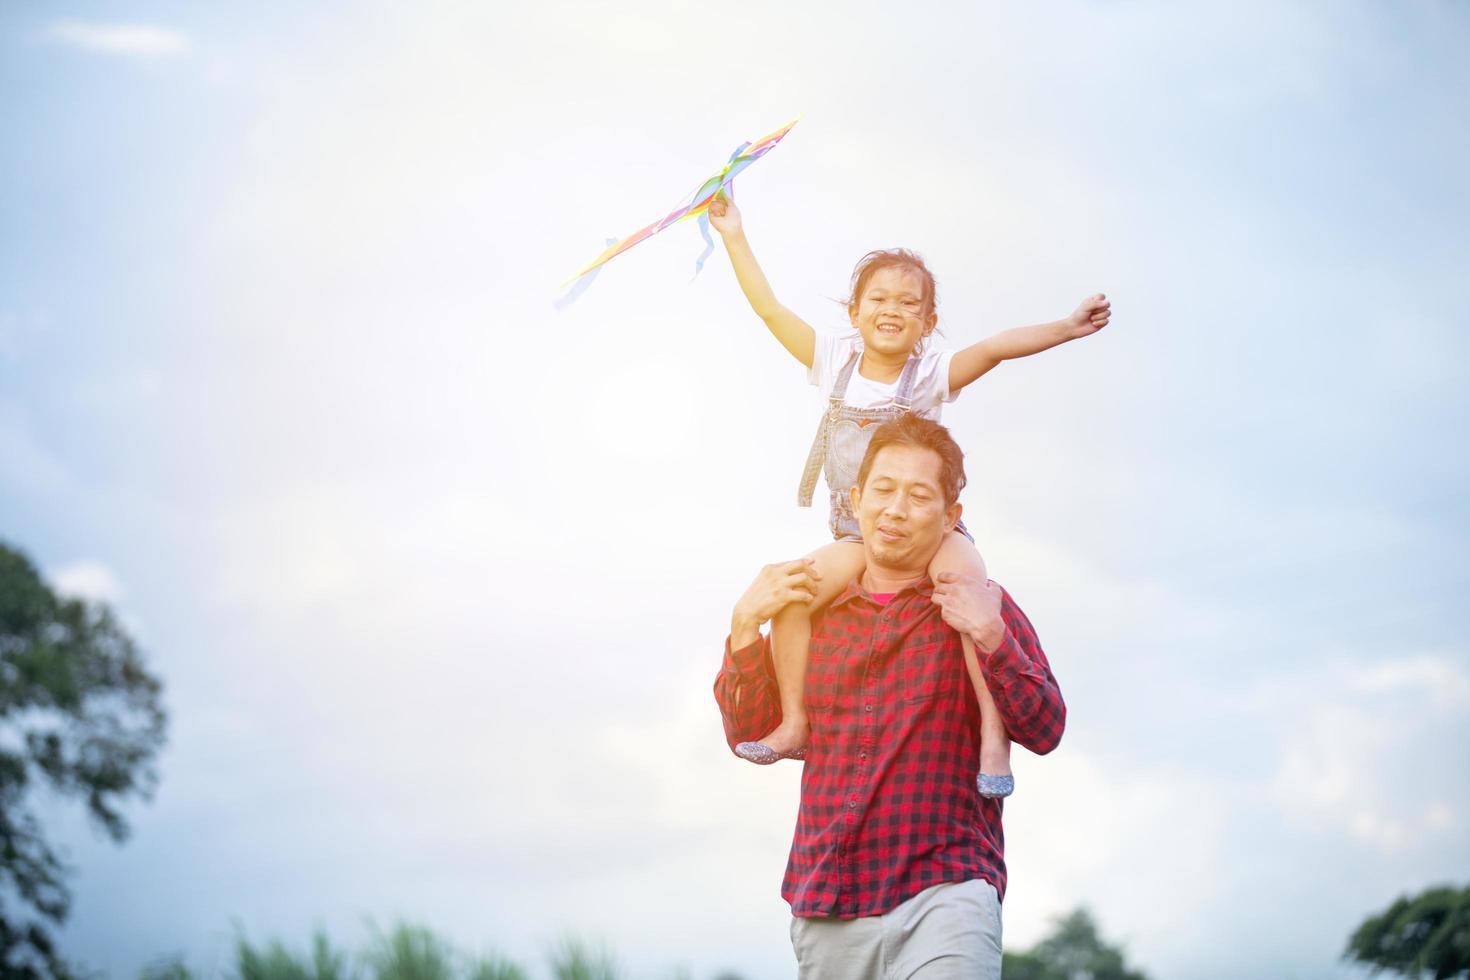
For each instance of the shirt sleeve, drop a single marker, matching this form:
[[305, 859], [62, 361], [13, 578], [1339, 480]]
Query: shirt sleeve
[[931, 380], [1022, 685], [829, 354], [746, 691]]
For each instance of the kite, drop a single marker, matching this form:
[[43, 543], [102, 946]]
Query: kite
[[745, 154]]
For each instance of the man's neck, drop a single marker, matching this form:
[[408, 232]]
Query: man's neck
[[888, 580]]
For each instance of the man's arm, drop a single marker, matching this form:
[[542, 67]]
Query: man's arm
[[746, 690], [1011, 659], [968, 364], [750, 703]]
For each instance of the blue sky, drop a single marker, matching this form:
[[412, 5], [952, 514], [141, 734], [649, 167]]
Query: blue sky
[[437, 577]]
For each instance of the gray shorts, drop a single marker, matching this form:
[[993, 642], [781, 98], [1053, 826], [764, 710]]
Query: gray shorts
[[947, 932]]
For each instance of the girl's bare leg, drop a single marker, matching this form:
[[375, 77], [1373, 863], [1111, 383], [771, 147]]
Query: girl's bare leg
[[837, 564], [958, 554]]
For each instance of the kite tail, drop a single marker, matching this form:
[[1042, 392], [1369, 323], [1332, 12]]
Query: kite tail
[[709, 246], [580, 286], [696, 207]]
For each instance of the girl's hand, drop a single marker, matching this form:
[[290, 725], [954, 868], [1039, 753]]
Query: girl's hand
[[1090, 317], [724, 215]]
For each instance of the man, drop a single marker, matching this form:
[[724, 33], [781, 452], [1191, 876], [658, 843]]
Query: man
[[897, 867]]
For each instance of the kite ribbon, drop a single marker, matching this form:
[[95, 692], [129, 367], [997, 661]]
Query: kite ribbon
[[698, 204], [580, 287]]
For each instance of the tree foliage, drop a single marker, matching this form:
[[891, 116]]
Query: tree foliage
[[276, 962], [1073, 950], [404, 952], [79, 715], [573, 958], [1424, 935]]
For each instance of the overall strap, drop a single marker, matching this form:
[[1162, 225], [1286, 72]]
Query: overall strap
[[818, 454], [904, 396], [839, 387]]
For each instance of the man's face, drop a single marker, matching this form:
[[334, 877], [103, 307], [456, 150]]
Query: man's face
[[901, 510]]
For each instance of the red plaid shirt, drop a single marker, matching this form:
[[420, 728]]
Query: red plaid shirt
[[888, 799]]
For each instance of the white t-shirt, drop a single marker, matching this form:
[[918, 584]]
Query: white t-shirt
[[931, 377]]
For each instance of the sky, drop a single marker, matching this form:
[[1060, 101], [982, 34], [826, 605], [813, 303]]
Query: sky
[[437, 577]]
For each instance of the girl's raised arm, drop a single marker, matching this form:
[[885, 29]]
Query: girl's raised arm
[[794, 333], [968, 364]]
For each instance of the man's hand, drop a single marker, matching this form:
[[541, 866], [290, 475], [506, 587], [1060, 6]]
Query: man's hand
[[724, 215], [1090, 316], [971, 607], [776, 587]]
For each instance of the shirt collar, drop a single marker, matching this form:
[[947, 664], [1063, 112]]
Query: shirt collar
[[855, 592]]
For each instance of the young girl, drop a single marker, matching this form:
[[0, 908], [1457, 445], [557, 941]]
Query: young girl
[[881, 371]]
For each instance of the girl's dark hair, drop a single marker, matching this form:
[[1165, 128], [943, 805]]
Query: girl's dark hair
[[890, 258]]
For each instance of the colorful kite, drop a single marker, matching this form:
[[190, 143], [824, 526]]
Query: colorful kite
[[745, 154]]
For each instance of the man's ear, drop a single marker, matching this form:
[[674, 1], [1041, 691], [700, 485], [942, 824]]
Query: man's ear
[[952, 516], [853, 496]]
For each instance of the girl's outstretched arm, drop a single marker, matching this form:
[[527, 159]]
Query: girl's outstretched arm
[[970, 363], [794, 333]]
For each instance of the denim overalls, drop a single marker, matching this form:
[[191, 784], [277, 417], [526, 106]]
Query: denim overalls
[[842, 439]]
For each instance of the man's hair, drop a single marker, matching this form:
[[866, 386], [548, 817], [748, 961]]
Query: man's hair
[[915, 430]]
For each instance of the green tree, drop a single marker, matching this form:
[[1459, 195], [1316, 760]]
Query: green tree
[[577, 959], [167, 968], [495, 967], [1424, 935], [405, 952], [78, 713], [276, 962], [410, 953], [1073, 950]]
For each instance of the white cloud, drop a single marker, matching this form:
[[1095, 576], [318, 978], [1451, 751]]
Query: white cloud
[[1370, 740], [132, 40], [1440, 817], [1114, 833], [87, 579], [1435, 678]]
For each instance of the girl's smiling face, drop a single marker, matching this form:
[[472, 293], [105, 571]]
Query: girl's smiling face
[[892, 314]]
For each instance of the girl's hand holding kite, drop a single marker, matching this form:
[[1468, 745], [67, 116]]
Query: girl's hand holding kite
[[696, 207], [725, 216]]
